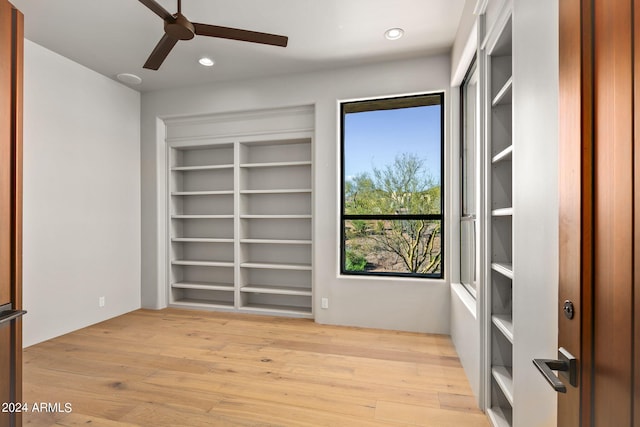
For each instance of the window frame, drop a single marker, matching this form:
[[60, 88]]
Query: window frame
[[362, 106], [472, 69]]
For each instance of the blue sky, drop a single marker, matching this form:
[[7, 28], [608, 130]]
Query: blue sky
[[375, 138]]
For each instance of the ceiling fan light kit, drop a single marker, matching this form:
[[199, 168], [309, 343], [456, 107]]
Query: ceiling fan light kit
[[178, 27]]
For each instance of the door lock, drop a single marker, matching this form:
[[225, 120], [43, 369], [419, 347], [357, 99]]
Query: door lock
[[566, 365], [568, 309]]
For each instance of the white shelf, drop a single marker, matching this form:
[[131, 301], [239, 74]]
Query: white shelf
[[275, 266], [296, 216], [202, 303], [202, 216], [500, 417], [503, 97], [209, 286], [502, 212], [500, 189], [275, 164], [276, 241], [201, 240], [277, 290], [503, 156], [503, 268], [273, 178], [277, 191], [201, 168], [202, 263], [277, 309], [202, 193], [504, 378], [504, 323]]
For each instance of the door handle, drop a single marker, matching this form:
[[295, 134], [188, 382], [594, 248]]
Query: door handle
[[7, 314], [566, 365]]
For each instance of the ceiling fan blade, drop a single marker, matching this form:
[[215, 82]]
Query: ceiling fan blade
[[160, 52], [158, 10], [242, 35]]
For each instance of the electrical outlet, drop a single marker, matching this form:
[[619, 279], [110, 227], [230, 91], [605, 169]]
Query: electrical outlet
[[324, 303], [101, 302]]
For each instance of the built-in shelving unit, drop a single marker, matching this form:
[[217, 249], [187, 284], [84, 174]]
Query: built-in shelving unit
[[275, 226], [240, 235], [201, 213], [503, 268], [500, 280]]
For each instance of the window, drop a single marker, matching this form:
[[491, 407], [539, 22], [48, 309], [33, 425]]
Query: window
[[469, 140], [392, 197]]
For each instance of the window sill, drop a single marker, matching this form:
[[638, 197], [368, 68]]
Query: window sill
[[366, 278], [463, 294]]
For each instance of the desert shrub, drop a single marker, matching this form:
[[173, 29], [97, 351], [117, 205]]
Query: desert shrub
[[355, 261], [360, 227]]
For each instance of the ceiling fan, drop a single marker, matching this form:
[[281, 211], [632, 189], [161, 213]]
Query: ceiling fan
[[178, 27]]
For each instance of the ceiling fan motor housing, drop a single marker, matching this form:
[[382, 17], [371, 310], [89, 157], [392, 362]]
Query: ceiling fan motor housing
[[180, 28]]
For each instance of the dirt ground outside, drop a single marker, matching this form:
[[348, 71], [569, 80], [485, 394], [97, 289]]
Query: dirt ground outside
[[366, 243]]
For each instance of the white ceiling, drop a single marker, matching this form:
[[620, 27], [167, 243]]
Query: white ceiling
[[117, 36]]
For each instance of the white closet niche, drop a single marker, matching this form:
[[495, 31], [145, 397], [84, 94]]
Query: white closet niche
[[500, 237], [240, 209]]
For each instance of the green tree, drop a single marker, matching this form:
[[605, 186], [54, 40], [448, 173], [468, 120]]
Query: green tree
[[414, 242], [403, 186], [360, 195], [406, 187], [355, 261]]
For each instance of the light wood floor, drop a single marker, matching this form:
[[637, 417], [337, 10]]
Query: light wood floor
[[191, 368]]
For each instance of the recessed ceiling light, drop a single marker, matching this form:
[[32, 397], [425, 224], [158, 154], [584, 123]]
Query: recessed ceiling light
[[129, 78], [394, 33], [207, 62]]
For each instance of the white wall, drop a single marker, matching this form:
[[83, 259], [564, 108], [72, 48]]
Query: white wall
[[465, 43], [81, 196], [535, 47], [535, 204], [414, 305], [465, 310], [465, 335]]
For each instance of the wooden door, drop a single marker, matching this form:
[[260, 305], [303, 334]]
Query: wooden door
[[599, 209], [11, 42]]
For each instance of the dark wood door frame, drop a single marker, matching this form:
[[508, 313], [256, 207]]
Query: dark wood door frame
[[575, 204], [636, 209], [11, 87], [600, 209]]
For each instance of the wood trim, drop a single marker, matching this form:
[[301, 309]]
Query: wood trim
[[17, 134], [613, 219], [575, 159], [5, 150], [5, 194], [18, 156], [605, 273], [636, 203], [11, 104], [586, 185]]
